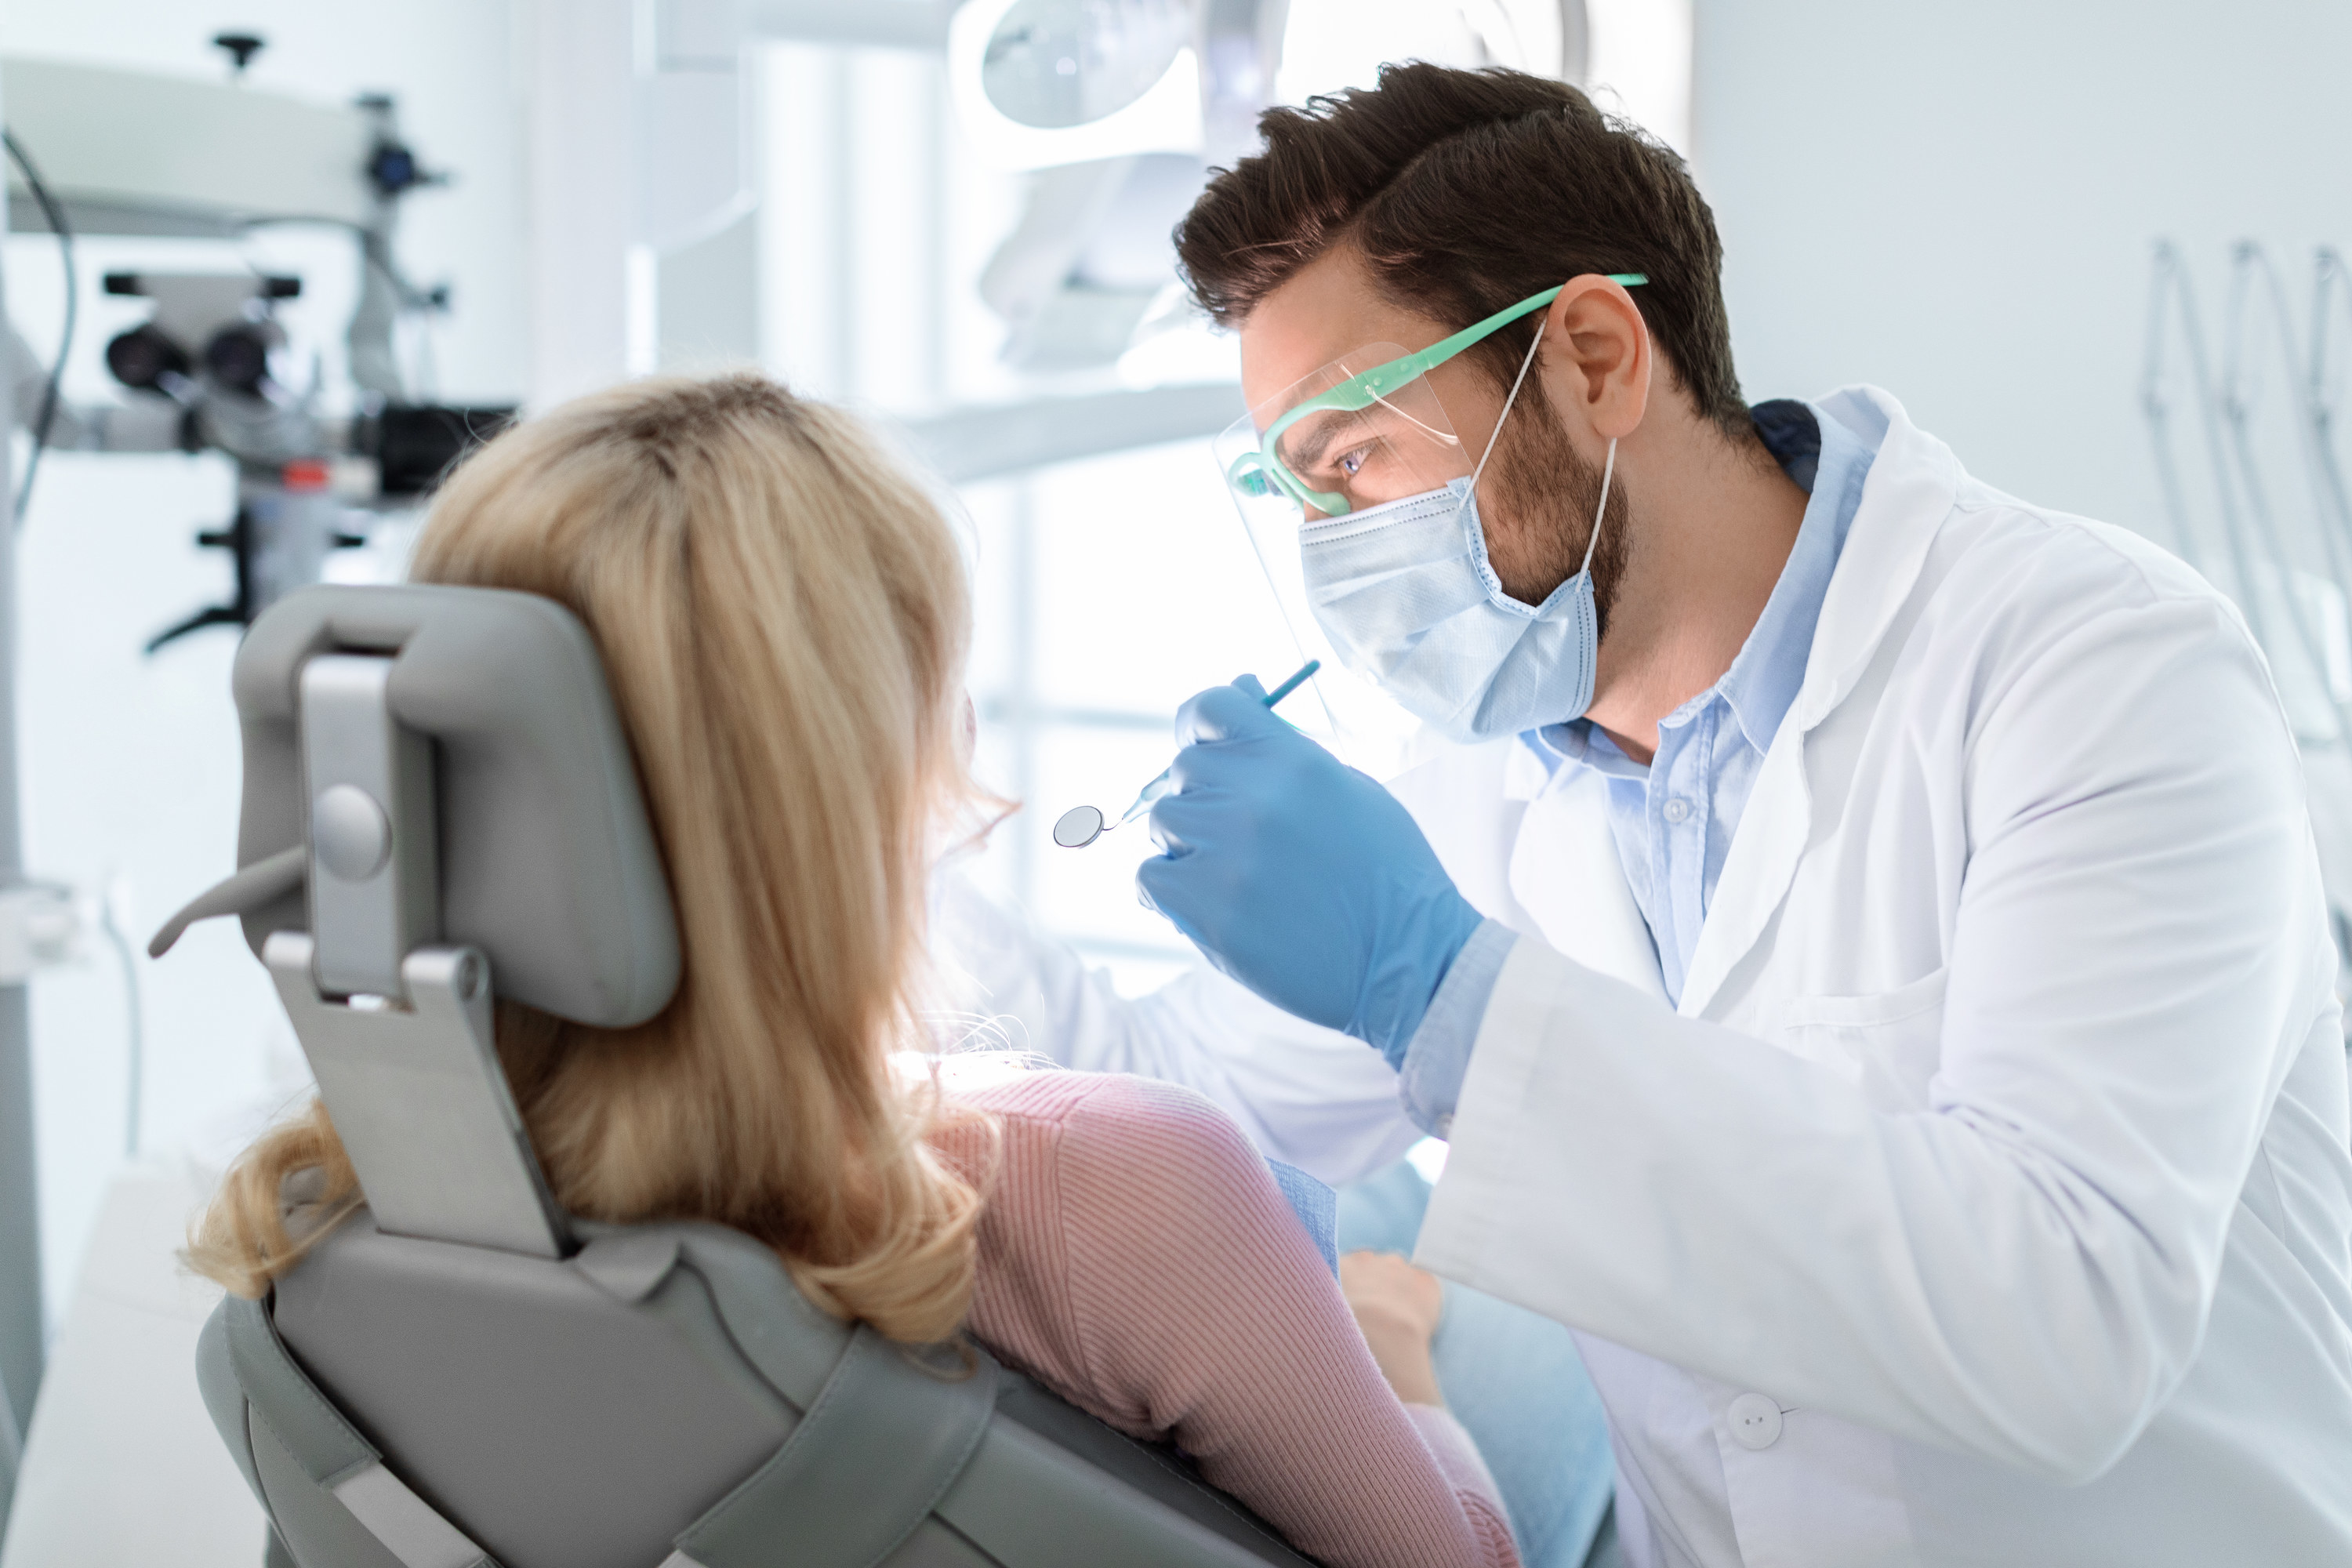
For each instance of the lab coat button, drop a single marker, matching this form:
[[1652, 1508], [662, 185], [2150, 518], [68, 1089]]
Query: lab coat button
[[1446, 1125], [1755, 1421]]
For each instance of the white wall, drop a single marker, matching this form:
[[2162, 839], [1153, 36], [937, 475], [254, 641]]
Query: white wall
[[129, 763], [1956, 201], [575, 57]]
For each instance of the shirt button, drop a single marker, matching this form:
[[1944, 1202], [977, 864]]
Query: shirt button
[[1755, 1421], [1677, 809], [1446, 1125]]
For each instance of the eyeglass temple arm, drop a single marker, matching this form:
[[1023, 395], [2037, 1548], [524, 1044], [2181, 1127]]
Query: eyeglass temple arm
[[1445, 349]]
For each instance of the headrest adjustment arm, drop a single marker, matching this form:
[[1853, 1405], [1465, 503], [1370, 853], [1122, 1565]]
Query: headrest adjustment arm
[[374, 880], [420, 1103]]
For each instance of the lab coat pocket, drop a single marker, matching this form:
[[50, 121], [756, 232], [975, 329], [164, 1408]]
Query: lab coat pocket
[[1888, 1042]]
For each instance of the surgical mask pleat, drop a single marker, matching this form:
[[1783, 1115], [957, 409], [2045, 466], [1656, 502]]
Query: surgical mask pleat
[[1426, 625], [1371, 585]]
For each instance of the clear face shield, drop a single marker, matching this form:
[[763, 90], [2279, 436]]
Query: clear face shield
[[1303, 457], [1305, 466]]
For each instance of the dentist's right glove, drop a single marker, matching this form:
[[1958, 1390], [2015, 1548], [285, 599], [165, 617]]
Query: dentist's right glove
[[1299, 877]]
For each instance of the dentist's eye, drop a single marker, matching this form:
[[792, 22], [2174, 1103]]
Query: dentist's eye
[[1352, 463]]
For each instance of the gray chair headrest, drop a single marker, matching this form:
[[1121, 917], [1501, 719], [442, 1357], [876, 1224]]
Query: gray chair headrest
[[547, 861]]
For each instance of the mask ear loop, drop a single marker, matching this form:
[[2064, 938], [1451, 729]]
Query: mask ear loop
[[1516, 382], [1608, 469]]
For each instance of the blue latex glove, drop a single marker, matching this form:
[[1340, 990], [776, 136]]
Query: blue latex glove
[[1299, 877]]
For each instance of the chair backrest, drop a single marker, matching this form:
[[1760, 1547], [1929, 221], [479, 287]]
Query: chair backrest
[[439, 801]]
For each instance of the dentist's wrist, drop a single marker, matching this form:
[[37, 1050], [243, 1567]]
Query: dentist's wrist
[[1397, 996], [1437, 1058]]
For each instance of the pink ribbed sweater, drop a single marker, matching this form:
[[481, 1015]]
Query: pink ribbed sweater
[[1136, 1258]]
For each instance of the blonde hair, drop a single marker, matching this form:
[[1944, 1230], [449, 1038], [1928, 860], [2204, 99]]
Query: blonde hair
[[784, 619]]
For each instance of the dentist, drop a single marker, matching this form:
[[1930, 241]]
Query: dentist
[[1864, 945]]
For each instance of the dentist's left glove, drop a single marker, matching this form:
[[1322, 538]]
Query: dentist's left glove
[[1299, 877]]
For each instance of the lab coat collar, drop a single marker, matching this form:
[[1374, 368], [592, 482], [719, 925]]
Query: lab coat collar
[[1763, 681], [1908, 494], [1904, 499], [1566, 873], [1525, 773]]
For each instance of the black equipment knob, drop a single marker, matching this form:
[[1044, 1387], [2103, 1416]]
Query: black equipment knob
[[391, 169], [238, 358], [142, 356], [241, 47]]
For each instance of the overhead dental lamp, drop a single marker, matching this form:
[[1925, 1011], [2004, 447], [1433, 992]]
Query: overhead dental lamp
[[1042, 82], [1055, 64], [1122, 107]]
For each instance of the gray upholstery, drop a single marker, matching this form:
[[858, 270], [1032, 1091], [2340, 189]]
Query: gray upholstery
[[548, 864], [318, 1533], [325, 1487], [665, 1364], [890, 1428], [636, 1421]]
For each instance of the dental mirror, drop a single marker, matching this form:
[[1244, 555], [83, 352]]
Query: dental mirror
[[1078, 826], [1082, 825]]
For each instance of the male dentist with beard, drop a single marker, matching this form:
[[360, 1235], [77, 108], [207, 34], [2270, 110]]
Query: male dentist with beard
[[1863, 943]]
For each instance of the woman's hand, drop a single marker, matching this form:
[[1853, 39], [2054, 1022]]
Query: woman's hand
[[1397, 1307]]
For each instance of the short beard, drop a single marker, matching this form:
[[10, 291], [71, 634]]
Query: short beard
[[1537, 502]]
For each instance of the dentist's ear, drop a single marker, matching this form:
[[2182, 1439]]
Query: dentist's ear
[[1597, 359]]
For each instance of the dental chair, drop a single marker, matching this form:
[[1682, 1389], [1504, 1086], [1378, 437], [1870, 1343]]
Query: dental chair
[[439, 809]]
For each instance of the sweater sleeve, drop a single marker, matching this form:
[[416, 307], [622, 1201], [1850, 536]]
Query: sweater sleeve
[[1465, 1471], [1200, 1311]]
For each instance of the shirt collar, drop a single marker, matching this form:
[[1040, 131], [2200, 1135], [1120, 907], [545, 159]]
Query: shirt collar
[[1829, 462], [1583, 745], [1762, 682]]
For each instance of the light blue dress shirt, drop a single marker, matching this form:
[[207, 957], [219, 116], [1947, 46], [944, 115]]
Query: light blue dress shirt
[[1673, 818]]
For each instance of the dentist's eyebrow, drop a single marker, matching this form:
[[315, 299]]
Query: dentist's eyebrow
[[1321, 433]]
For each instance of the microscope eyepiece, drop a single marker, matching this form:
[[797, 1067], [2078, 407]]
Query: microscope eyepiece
[[142, 356]]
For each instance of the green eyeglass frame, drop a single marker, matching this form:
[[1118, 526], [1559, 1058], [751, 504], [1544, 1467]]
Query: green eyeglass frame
[[1262, 473]]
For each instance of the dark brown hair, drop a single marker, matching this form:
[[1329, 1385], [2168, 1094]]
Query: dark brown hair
[[1468, 191]]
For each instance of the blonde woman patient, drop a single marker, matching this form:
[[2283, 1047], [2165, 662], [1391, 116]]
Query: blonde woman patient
[[784, 619]]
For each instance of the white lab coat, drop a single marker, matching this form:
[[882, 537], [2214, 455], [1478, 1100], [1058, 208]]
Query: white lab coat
[[1986, 1200]]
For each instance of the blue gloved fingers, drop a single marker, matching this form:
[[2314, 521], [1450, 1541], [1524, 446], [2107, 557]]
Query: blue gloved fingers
[[1173, 888], [1150, 876], [1254, 687], [1202, 818], [1168, 832], [1228, 713], [1298, 875], [1221, 764]]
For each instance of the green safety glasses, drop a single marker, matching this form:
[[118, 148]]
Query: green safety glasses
[[1358, 431]]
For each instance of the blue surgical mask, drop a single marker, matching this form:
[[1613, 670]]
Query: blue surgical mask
[[1405, 594]]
